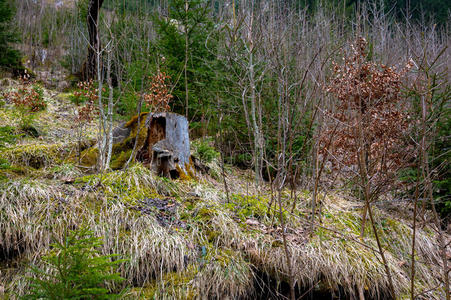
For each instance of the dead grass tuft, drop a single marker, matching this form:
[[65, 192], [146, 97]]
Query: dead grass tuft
[[38, 155]]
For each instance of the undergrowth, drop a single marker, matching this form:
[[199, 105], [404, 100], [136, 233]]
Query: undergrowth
[[200, 241]]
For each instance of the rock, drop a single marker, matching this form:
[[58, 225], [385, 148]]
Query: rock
[[62, 86], [120, 133], [8, 82]]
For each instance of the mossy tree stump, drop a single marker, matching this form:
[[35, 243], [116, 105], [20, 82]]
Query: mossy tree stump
[[163, 144], [166, 148]]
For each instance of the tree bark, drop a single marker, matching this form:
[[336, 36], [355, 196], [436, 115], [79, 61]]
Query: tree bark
[[94, 41], [186, 60]]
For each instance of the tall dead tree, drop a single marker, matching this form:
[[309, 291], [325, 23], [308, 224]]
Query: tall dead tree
[[90, 69]]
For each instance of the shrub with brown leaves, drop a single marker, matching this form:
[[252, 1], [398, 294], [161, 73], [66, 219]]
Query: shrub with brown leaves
[[86, 93], [370, 117], [27, 100], [29, 96], [158, 96]]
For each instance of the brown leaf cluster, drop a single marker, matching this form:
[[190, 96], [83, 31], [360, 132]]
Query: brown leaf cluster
[[86, 113], [158, 96], [87, 90], [370, 116]]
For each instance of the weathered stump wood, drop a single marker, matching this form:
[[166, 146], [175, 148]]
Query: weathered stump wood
[[167, 148]]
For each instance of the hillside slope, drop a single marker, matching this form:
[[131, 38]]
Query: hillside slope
[[185, 239]]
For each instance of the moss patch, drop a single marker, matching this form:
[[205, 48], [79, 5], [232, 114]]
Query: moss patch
[[248, 206], [89, 157]]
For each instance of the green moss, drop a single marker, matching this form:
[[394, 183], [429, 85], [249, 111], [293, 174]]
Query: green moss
[[118, 161], [220, 255], [145, 292], [276, 244], [133, 125], [89, 157], [121, 151], [246, 207], [126, 186], [65, 96], [38, 155], [212, 235], [134, 120], [175, 285], [182, 174], [206, 213]]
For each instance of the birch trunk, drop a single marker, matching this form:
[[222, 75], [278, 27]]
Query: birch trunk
[[109, 133]]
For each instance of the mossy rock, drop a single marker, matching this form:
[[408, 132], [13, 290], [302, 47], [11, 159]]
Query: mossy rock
[[118, 161], [38, 155], [89, 157], [121, 150]]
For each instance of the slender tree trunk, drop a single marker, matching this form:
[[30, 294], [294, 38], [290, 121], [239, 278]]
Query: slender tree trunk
[[364, 217], [109, 133], [254, 119], [366, 190], [315, 188], [219, 145], [101, 138], [429, 188], [253, 96], [283, 107], [414, 228], [186, 59]]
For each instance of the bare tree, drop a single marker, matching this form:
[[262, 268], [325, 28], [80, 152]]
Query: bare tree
[[433, 92]]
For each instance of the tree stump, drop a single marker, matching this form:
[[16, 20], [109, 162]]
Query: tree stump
[[163, 145], [166, 149]]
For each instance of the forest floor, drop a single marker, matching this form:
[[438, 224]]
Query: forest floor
[[189, 239]]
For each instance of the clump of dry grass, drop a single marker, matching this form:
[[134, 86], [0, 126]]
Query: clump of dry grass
[[38, 155], [221, 274], [64, 171], [135, 180], [226, 274], [216, 254], [339, 259], [29, 209], [217, 224], [35, 212], [151, 249]]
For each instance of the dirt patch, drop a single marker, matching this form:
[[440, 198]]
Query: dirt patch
[[164, 210]]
